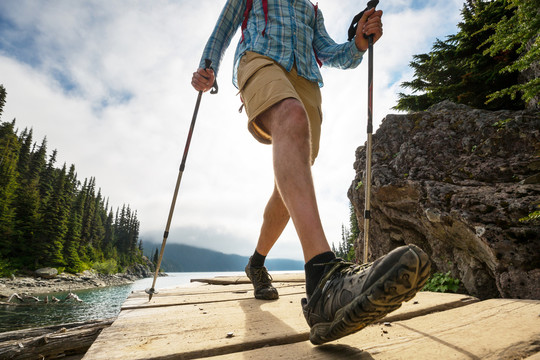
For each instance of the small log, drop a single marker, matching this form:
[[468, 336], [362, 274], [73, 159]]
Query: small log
[[72, 296], [16, 296], [51, 341]]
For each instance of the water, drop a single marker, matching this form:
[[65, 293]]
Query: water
[[98, 303]]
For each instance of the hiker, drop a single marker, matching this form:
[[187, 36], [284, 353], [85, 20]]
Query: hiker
[[276, 69]]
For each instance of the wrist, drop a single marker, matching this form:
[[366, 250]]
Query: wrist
[[361, 47]]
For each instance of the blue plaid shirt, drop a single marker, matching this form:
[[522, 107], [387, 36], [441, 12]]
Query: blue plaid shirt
[[292, 33]]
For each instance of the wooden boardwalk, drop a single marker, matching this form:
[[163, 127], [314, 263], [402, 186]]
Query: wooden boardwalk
[[226, 322]]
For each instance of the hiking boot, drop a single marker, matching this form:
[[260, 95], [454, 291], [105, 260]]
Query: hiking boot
[[262, 282], [349, 297]]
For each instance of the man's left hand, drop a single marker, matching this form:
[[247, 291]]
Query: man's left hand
[[369, 24]]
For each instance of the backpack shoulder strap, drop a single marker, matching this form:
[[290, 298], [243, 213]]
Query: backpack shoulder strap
[[316, 8], [249, 5], [265, 10]]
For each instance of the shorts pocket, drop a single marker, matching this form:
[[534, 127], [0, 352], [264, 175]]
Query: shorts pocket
[[249, 64]]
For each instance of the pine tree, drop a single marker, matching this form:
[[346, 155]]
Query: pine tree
[[349, 235], [26, 203], [47, 176], [54, 225], [458, 70], [518, 31], [98, 228], [74, 229], [3, 95], [109, 238], [88, 212]]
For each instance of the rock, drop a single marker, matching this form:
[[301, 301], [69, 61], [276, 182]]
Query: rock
[[456, 181], [46, 273], [139, 271]]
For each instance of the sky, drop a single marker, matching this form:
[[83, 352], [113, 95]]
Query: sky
[[108, 84]]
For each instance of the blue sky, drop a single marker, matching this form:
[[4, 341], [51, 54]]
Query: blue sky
[[108, 83]]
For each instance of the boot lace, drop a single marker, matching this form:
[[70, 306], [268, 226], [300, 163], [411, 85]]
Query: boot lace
[[262, 276]]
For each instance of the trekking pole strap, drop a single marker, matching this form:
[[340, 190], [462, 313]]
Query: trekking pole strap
[[356, 19]]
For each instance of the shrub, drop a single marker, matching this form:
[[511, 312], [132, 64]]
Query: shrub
[[439, 282], [6, 269], [107, 267]]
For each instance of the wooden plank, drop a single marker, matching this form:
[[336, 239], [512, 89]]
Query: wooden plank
[[198, 288], [195, 330], [492, 329], [233, 292], [231, 280]]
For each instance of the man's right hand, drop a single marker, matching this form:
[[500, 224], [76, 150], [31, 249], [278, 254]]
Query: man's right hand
[[203, 79]]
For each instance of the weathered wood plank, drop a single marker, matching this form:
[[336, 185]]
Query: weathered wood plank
[[196, 288], [232, 280], [233, 292], [195, 330], [492, 329]]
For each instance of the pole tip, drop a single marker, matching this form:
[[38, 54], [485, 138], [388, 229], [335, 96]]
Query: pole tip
[[150, 292]]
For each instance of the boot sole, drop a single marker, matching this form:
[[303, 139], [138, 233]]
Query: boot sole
[[270, 296], [399, 284]]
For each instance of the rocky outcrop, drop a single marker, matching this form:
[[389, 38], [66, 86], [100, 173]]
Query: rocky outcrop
[[456, 181], [141, 271]]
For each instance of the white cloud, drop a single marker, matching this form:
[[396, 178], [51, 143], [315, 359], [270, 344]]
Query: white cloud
[[126, 114]]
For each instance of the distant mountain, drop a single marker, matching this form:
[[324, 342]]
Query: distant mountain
[[185, 258]]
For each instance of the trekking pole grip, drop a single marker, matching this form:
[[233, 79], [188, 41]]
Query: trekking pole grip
[[371, 5], [208, 65]]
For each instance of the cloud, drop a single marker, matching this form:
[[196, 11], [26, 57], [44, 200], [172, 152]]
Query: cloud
[[108, 84]]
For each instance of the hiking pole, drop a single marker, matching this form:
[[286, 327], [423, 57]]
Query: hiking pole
[[151, 291], [367, 208]]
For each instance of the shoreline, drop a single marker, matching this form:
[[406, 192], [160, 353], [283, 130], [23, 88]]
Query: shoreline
[[30, 285]]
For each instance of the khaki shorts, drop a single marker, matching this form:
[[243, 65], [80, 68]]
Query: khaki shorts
[[263, 83]]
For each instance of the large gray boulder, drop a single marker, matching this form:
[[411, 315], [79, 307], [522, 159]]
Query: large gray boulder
[[46, 273], [456, 181]]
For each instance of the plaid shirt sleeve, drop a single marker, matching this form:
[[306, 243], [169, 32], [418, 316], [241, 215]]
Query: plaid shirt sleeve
[[227, 24], [343, 56]]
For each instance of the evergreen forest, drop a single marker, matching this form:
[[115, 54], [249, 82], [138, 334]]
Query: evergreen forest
[[491, 63], [50, 218]]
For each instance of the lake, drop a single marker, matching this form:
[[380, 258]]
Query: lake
[[98, 303]]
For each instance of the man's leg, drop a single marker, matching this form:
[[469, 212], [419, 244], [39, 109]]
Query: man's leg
[[275, 218], [346, 297], [288, 125]]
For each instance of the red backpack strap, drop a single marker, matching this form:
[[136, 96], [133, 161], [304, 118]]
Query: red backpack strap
[[316, 8], [265, 9], [249, 4]]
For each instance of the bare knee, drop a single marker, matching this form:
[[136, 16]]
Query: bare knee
[[288, 117]]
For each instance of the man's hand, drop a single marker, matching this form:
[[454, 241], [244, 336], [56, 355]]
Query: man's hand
[[203, 79], [369, 24]]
